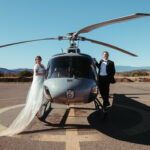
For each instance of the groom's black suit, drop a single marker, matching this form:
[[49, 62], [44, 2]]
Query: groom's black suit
[[104, 81]]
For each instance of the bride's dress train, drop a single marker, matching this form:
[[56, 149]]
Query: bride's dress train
[[33, 104]]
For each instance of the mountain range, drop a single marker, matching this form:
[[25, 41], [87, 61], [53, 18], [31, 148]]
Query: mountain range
[[130, 68], [14, 71]]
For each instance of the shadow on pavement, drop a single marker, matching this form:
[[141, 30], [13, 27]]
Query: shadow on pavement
[[127, 120], [61, 125]]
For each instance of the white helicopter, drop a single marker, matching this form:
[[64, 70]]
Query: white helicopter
[[70, 77]]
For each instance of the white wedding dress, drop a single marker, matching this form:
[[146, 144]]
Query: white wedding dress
[[33, 104]]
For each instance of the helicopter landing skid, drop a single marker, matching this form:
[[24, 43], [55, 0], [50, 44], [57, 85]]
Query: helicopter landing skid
[[100, 107], [45, 110]]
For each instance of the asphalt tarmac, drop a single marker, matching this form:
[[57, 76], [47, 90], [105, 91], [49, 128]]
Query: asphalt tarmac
[[81, 127]]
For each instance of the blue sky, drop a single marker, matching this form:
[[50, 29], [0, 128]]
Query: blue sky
[[33, 19]]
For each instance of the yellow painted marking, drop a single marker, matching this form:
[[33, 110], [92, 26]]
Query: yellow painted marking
[[10, 107], [70, 136], [72, 139], [2, 110], [1, 99], [2, 127], [48, 137], [72, 142]]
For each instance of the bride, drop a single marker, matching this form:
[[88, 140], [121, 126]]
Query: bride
[[33, 102]]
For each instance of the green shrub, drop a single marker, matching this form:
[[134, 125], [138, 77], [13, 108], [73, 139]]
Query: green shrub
[[1, 74], [25, 73], [139, 73], [126, 74], [8, 74]]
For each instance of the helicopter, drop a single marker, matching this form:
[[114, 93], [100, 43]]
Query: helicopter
[[71, 75]]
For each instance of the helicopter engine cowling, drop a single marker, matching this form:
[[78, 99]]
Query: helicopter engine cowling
[[70, 90]]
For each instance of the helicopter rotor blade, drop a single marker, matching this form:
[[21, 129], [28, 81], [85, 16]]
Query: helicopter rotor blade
[[109, 45], [101, 24], [1, 46]]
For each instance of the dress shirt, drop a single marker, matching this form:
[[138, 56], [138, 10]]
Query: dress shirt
[[103, 68]]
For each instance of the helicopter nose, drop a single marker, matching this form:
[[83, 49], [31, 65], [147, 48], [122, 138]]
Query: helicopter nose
[[57, 90], [69, 90]]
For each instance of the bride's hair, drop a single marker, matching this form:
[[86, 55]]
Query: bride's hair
[[38, 57]]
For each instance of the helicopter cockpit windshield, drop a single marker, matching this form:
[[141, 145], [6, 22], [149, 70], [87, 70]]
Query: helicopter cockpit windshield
[[68, 67]]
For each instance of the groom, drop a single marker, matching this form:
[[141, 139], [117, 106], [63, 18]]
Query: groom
[[106, 72]]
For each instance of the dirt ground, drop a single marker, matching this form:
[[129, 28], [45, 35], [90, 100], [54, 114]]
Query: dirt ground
[[127, 125]]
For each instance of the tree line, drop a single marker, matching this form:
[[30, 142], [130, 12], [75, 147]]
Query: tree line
[[137, 73], [24, 73]]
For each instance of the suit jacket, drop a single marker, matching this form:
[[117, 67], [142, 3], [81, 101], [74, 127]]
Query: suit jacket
[[110, 69]]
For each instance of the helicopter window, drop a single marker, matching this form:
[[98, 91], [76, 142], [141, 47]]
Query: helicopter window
[[81, 67], [59, 67], [78, 66]]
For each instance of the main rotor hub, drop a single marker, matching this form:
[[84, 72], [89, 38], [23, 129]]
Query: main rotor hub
[[73, 47], [73, 44]]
